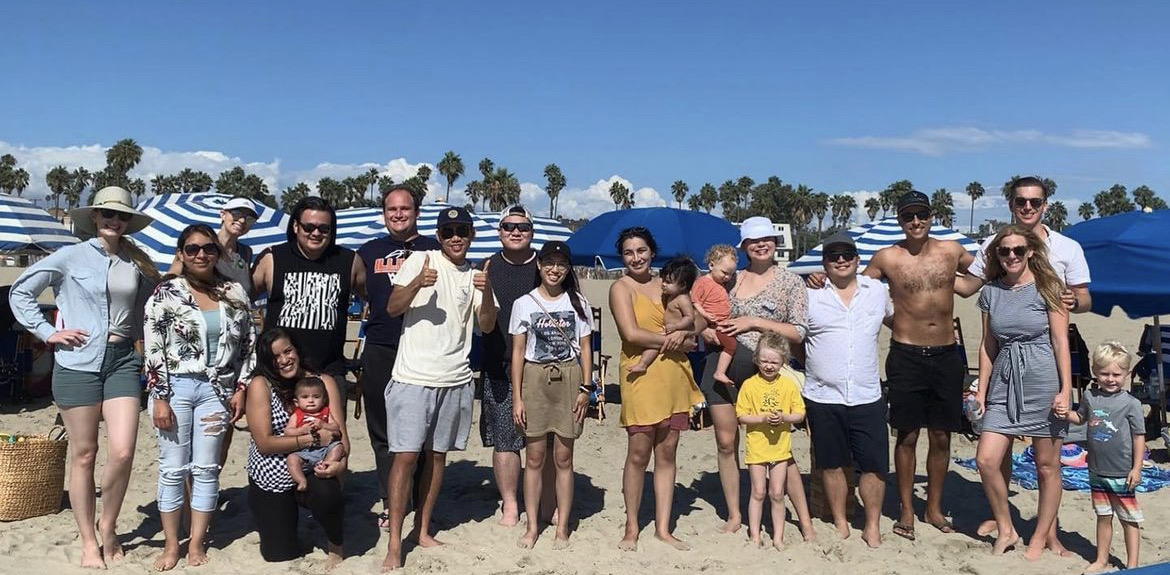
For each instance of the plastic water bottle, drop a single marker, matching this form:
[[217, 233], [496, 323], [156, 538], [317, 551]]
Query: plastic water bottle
[[971, 410]]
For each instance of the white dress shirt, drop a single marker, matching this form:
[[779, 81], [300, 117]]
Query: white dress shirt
[[842, 343]]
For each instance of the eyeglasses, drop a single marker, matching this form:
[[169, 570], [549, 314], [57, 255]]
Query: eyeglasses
[[835, 255], [1004, 251], [242, 214], [325, 229], [513, 226], [920, 215], [210, 248], [1034, 202], [111, 214], [448, 232], [554, 265]]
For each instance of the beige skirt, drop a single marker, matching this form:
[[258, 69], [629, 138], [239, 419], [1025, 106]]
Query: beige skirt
[[548, 404]]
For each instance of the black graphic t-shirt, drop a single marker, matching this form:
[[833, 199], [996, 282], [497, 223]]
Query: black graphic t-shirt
[[383, 257], [546, 332], [310, 299]]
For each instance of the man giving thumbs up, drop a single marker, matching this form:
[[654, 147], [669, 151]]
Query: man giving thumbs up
[[429, 397]]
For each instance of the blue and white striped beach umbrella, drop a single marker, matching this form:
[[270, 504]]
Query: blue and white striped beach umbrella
[[25, 227], [543, 229], [173, 212], [874, 236]]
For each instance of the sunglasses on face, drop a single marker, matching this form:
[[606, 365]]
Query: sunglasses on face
[[1034, 202], [554, 265], [448, 232], [210, 248], [513, 226], [1004, 251], [835, 255], [920, 215], [325, 229], [241, 214], [111, 214]]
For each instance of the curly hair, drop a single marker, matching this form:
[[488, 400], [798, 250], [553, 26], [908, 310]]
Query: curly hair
[[720, 251]]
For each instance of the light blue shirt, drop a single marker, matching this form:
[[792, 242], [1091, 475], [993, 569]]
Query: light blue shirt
[[78, 275], [211, 318]]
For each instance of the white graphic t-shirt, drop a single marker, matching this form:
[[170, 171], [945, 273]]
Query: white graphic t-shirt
[[546, 332], [310, 300]]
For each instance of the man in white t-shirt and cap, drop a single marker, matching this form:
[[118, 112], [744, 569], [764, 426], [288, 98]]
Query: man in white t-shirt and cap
[[1028, 201], [429, 397]]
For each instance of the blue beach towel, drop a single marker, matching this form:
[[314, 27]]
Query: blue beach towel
[[1072, 478]]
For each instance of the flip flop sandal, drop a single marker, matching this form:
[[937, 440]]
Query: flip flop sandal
[[904, 530], [945, 526], [384, 520]]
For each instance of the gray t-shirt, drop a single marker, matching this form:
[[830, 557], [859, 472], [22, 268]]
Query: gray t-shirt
[[121, 291], [1111, 421]]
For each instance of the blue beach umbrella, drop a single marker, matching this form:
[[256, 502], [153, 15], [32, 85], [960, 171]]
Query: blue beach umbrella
[[173, 212], [26, 227], [872, 237], [676, 231]]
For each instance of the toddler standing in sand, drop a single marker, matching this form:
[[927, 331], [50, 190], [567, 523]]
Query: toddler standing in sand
[[768, 404], [310, 416], [678, 275], [1116, 444]]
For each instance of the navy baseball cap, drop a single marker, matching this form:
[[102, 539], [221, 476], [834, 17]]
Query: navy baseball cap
[[912, 199], [454, 215]]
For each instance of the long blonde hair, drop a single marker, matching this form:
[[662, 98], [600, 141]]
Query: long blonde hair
[[1047, 282]]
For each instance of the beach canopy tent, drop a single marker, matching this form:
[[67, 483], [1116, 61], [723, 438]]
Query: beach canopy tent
[[173, 212], [675, 231], [24, 227], [872, 237], [356, 226], [1130, 266]]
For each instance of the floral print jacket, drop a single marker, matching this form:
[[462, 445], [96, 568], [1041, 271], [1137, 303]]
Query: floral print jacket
[[176, 339]]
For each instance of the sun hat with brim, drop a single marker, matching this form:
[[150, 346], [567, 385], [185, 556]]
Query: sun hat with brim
[[755, 228], [109, 198]]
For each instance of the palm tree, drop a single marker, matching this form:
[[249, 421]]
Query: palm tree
[[819, 205], [293, 194], [331, 190], [842, 206], [694, 203], [79, 179], [1056, 216], [451, 167], [619, 193], [58, 181], [486, 166], [122, 157], [136, 187], [975, 191], [372, 183], [556, 183], [19, 180], [943, 206], [801, 204], [708, 197], [1085, 211], [679, 188], [872, 205], [1144, 197]]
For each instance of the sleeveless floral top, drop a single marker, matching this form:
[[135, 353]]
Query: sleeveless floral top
[[783, 299]]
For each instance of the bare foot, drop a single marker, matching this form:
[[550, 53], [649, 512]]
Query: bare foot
[[778, 543], [424, 540], [527, 540], [560, 543], [755, 540], [732, 525], [196, 555], [510, 515], [722, 378], [1053, 544], [393, 558], [988, 527], [332, 561], [1095, 567], [1004, 542], [111, 548], [628, 543], [670, 539], [872, 538], [91, 556], [842, 529], [807, 533], [1034, 553], [168, 559]]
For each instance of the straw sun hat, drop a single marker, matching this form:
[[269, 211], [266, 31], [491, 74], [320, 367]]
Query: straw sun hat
[[109, 198]]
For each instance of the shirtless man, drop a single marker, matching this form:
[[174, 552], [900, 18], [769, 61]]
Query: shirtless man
[[924, 370]]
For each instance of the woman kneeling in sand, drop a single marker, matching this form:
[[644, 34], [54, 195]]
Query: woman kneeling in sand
[[272, 495]]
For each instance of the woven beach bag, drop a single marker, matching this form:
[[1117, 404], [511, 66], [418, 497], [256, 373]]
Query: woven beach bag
[[32, 474]]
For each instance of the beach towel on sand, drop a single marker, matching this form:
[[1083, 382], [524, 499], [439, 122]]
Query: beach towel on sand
[[1074, 474]]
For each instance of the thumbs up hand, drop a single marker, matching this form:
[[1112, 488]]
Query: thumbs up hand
[[428, 276], [480, 280]]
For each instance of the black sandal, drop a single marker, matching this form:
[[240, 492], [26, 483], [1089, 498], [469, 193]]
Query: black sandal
[[384, 520]]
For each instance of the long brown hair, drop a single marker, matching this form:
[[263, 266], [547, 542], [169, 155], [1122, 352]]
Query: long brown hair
[[217, 288], [1047, 282]]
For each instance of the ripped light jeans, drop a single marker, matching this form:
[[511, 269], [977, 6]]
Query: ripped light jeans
[[191, 447]]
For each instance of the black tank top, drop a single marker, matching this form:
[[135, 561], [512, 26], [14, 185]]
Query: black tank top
[[310, 299]]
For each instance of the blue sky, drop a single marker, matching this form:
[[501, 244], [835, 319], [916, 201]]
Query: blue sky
[[841, 96]]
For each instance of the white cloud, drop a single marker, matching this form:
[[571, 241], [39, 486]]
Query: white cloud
[[940, 141]]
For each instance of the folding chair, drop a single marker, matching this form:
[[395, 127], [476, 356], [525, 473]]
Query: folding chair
[[354, 364], [600, 367]]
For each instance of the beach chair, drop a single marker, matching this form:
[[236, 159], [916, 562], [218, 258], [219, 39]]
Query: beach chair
[[1078, 353], [600, 368], [972, 371], [353, 364]]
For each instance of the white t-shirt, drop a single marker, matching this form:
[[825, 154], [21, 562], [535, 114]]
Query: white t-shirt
[[546, 338], [438, 325], [1064, 253]]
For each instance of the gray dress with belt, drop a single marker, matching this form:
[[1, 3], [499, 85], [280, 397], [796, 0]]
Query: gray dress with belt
[[1024, 379]]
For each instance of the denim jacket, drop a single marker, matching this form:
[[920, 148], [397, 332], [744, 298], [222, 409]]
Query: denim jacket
[[78, 276], [176, 339]]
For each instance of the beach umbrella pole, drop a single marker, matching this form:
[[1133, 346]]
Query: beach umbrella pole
[[1156, 342]]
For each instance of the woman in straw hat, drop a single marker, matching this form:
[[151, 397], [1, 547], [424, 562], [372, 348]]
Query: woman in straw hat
[[101, 287]]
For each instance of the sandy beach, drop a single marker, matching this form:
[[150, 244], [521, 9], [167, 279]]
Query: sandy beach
[[467, 511]]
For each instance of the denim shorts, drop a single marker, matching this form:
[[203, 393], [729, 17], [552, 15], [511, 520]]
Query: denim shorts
[[120, 376]]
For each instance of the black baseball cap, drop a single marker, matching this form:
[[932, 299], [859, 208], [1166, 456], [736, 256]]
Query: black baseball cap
[[454, 215], [555, 247], [911, 199], [839, 239]]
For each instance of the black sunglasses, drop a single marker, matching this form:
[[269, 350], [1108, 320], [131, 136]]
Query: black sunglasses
[[448, 232], [1004, 251], [921, 215], [1034, 202], [111, 214], [325, 229], [838, 254], [513, 226], [210, 248], [242, 214]]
